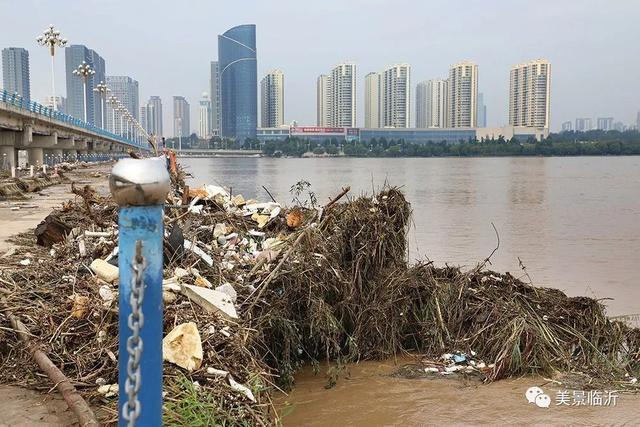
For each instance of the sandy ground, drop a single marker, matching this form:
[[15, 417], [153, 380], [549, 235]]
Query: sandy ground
[[18, 406]]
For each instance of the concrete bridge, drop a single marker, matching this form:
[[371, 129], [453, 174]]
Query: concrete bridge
[[39, 130]]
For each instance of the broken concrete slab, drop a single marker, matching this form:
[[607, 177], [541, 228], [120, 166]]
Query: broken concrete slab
[[183, 346], [211, 300]]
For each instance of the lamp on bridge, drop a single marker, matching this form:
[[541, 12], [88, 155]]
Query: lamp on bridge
[[102, 90], [113, 101], [84, 71], [51, 38]]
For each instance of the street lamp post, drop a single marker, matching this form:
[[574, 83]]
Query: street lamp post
[[51, 38], [102, 90], [84, 70], [114, 105]]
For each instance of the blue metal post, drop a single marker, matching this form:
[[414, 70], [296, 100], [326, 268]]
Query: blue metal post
[[140, 188]]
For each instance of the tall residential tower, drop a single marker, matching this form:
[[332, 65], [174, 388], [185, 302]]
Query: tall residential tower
[[431, 104], [322, 100], [372, 100], [395, 96], [462, 95], [529, 94], [272, 100]]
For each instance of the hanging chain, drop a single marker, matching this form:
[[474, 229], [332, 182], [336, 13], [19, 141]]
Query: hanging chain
[[132, 408]]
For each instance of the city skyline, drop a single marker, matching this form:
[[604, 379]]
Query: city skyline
[[611, 94]]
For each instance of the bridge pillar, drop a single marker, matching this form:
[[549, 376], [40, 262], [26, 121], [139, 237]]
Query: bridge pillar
[[35, 156], [8, 156], [27, 136]]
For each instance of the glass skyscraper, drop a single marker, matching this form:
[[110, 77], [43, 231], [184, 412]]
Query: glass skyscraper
[[15, 71], [238, 76], [74, 55]]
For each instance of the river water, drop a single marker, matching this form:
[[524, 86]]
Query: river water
[[573, 221]]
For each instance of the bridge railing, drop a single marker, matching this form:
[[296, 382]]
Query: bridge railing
[[34, 107]]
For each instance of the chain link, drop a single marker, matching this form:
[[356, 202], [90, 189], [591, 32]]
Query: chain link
[[132, 408]]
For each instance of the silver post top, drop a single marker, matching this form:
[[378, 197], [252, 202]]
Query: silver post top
[[141, 182]]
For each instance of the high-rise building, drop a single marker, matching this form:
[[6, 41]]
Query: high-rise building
[[74, 56], [395, 97], [154, 116], [431, 104], [181, 123], [214, 94], [604, 123], [482, 111], [15, 72], [583, 124], [126, 90], [462, 95], [567, 126], [272, 99], [322, 96], [204, 113], [530, 94], [238, 82], [342, 95], [372, 100], [61, 103]]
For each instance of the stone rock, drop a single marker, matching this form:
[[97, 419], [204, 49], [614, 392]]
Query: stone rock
[[183, 346]]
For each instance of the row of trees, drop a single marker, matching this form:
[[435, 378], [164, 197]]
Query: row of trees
[[561, 144]]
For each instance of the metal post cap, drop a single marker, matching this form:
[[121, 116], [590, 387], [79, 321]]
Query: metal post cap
[[141, 182]]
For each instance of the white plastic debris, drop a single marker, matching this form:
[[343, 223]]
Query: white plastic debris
[[107, 295], [183, 346], [217, 372], [191, 246], [241, 388], [431, 369], [180, 272], [211, 300], [25, 262], [104, 270]]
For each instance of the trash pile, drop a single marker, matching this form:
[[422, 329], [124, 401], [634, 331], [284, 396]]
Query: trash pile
[[252, 290]]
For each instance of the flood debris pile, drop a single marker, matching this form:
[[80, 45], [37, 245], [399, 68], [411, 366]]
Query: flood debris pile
[[252, 290]]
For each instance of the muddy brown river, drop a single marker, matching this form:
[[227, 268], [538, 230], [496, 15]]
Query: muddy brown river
[[574, 223]]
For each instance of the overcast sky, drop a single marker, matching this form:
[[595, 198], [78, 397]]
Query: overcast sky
[[593, 46]]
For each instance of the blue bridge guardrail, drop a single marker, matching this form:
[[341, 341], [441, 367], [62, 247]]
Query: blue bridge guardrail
[[34, 107]]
